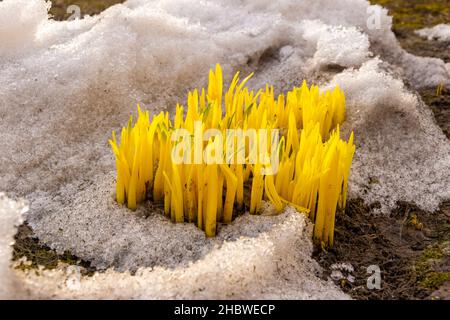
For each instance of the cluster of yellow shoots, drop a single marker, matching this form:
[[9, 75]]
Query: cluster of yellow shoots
[[314, 162]]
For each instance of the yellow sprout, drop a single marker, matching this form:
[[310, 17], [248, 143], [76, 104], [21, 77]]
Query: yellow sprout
[[440, 89], [231, 184], [225, 145]]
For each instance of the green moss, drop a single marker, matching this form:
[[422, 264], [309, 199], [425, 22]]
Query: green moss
[[434, 280], [427, 267], [432, 253], [416, 14]]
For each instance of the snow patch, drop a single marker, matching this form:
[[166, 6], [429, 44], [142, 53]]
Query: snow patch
[[273, 264], [440, 32], [66, 85], [401, 154]]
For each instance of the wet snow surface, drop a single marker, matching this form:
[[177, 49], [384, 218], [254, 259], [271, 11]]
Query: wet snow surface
[[66, 85], [440, 32]]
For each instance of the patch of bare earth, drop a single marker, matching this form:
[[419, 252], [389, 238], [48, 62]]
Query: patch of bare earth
[[410, 247]]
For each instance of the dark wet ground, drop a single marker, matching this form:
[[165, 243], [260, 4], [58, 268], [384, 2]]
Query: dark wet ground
[[38, 254], [411, 247]]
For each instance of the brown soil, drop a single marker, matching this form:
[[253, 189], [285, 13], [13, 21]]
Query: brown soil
[[440, 105], [411, 248], [38, 254]]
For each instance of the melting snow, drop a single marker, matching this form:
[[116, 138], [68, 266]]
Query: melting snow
[[440, 32], [66, 85]]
